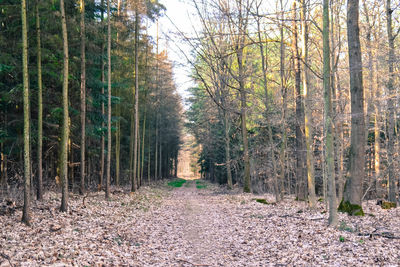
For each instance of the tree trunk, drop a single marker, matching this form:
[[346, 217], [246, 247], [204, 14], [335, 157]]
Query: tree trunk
[[160, 156], [143, 138], [131, 146], [307, 108], [377, 119], [39, 193], [102, 146], [109, 140], [65, 127], [391, 107], [228, 150], [26, 215], [353, 187], [149, 162], [328, 122], [270, 143], [157, 103], [118, 126], [136, 141], [284, 105], [300, 144], [83, 97]]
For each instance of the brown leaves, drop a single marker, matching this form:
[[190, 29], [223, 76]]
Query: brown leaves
[[192, 227], [55, 227]]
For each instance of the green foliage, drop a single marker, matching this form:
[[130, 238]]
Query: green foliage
[[342, 239], [262, 201], [177, 182], [200, 184], [351, 209], [388, 205]]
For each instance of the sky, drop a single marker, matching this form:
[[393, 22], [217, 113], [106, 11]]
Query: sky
[[179, 17]]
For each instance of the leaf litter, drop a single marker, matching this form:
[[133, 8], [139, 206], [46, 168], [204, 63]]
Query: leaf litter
[[188, 226]]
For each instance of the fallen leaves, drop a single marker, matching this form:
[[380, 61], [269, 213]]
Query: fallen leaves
[[187, 226]]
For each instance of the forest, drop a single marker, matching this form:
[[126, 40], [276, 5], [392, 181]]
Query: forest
[[288, 137]]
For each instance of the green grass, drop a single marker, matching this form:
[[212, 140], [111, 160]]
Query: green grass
[[200, 184], [262, 201], [177, 183]]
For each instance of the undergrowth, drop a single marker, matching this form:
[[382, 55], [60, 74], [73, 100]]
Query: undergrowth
[[200, 184], [177, 183]]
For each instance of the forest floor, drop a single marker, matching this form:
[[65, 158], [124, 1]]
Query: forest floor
[[197, 224]]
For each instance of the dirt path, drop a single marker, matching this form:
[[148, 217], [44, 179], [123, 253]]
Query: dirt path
[[190, 226], [194, 228]]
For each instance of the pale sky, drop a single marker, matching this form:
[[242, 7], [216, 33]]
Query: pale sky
[[183, 17]]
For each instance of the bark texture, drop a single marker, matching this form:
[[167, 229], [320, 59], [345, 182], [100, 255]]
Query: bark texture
[[353, 188]]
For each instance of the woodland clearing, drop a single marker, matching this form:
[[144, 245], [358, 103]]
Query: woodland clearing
[[196, 224]]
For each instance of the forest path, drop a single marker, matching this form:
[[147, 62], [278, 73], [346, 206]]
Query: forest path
[[196, 229]]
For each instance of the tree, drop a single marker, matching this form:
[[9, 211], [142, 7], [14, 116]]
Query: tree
[[328, 119], [40, 107], [353, 188], [26, 215], [391, 107], [239, 44], [136, 141], [307, 107], [264, 69], [63, 161], [83, 95], [300, 141], [108, 175], [102, 148]]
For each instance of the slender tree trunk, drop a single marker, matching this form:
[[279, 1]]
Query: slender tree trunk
[[243, 98], [40, 107], [228, 150], [307, 108], [118, 126], [157, 103], [284, 105], [156, 151], [26, 215], [131, 146], [102, 146], [139, 182], [148, 162], [136, 141], [300, 144], [377, 147], [109, 140], [160, 156], [328, 120], [143, 138], [391, 107], [83, 97], [243, 102], [353, 188], [65, 127], [266, 113]]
